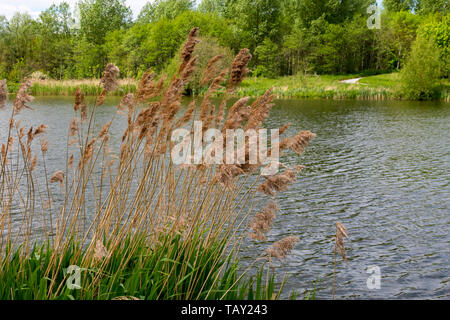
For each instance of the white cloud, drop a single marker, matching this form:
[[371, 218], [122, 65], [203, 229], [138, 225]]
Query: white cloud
[[34, 7]]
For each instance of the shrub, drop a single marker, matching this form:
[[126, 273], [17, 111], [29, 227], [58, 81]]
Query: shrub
[[422, 71]]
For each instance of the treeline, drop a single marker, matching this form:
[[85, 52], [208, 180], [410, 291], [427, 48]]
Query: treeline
[[285, 36]]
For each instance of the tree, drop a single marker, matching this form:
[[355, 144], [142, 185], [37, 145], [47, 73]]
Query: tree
[[213, 6], [160, 9], [437, 29], [269, 59], [98, 17], [333, 11], [255, 21], [54, 43], [421, 71], [433, 6], [399, 5], [399, 33]]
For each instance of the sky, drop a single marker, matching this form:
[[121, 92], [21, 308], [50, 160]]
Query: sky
[[34, 7]]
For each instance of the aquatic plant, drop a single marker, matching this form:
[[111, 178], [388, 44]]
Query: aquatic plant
[[130, 222]]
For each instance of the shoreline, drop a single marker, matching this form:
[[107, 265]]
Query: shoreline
[[329, 87]]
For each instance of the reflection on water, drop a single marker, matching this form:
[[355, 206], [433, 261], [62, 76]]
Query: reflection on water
[[380, 168]]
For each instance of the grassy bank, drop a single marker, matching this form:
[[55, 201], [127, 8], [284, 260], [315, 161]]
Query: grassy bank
[[378, 87]]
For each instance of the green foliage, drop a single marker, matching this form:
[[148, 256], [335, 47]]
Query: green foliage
[[433, 6], [207, 49], [267, 53], [167, 272], [421, 73], [398, 34], [164, 9], [98, 17], [285, 37], [399, 5], [438, 30], [331, 11]]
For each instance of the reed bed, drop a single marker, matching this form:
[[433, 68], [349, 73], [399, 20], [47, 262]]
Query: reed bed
[[90, 87], [130, 222]]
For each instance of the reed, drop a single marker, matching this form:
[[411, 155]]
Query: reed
[[339, 248], [133, 224]]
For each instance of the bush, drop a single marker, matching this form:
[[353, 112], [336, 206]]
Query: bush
[[422, 71], [207, 49]]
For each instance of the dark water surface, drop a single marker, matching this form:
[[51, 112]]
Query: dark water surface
[[380, 168]]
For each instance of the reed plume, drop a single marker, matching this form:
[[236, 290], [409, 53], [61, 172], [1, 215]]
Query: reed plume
[[3, 93], [100, 252], [188, 49], [40, 130], [339, 247], [58, 176], [110, 77], [23, 97], [262, 221], [211, 70], [282, 248], [299, 143], [239, 69], [109, 82], [73, 127], [277, 183]]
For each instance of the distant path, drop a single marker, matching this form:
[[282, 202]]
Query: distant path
[[350, 81]]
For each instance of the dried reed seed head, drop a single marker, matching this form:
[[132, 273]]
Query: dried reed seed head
[[70, 162], [22, 97], [30, 136], [260, 110], [100, 252], [83, 112], [110, 76], [101, 98], [188, 49], [188, 71], [21, 132], [262, 221], [44, 145], [211, 70], [299, 143], [341, 229], [239, 68], [127, 102], [3, 93], [104, 130], [277, 183], [88, 152], [216, 83], [58, 176], [341, 233], [284, 128], [227, 173], [148, 89], [33, 163], [79, 99], [10, 144], [282, 248], [40, 130], [73, 127]]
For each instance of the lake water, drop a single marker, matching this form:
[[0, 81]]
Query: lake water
[[380, 168]]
